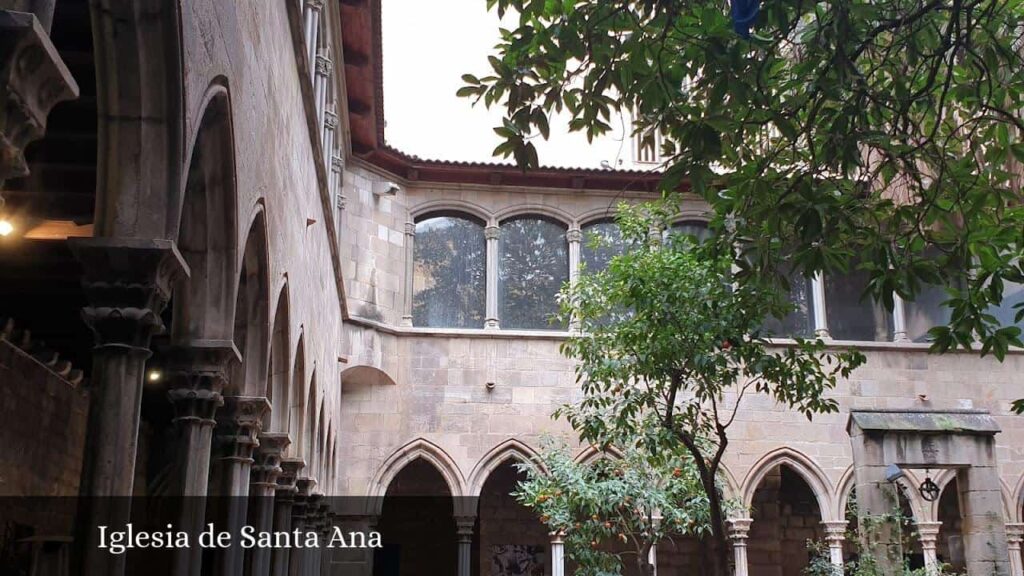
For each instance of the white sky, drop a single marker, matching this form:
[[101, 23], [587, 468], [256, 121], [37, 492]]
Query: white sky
[[428, 46]]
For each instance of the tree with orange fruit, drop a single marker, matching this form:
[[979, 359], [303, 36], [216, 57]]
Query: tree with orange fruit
[[669, 345]]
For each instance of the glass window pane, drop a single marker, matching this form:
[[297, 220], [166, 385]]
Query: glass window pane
[[849, 316], [602, 241], [532, 267], [926, 311], [449, 273], [800, 321], [696, 228], [1013, 294]]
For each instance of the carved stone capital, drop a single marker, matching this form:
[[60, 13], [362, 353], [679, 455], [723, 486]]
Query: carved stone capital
[[33, 79], [574, 235], [1015, 533], [835, 531], [323, 65], [197, 375], [315, 4], [739, 530], [331, 120], [290, 469], [305, 485], [337, 164], [928, 533], [267, 465], [239, 425], [464, 525], [410, 228], [127, 283], [492, 232]]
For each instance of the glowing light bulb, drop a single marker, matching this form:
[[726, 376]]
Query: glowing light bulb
[[155, 376], [5, 227]]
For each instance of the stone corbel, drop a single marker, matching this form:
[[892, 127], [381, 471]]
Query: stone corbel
[[127, 283], [34, 79]]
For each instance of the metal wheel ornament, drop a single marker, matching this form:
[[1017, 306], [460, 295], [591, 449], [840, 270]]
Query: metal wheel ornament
[[929, 490]]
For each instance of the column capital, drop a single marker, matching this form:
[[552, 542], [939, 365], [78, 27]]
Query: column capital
[[574, 235], [464, 525], [928, 532], [410, 228], [35, 79], [835, 530], [491, 232], [239, 425], [1015, 532], [267, 466], [305, 485], [739, 530], [330, 118], [315, 4], [323, 65], [557, 537], [337, 164], [197, 374], [127, 283], [290, 468]]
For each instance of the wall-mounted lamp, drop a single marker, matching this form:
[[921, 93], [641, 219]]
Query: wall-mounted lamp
[[6, 226], [154, 376], [384, 188]]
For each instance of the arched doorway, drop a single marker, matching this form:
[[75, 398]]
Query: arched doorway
[[509, 538], [416, 524], [786, 516], [949, 546]]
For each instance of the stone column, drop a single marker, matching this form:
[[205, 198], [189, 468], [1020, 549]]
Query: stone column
[[835, 535], [127, 283], [263, 485], [410, 271], [1014, 537], [197, 375], [928, 534], [899, 319], [818, 296], [491, 234], [238, 427], [652, 559], [739, 531], [574, 237], [557, 554], [330, 126], [311, 26], [981, 509], [298, 559], [879, 530], [314, 523], [284, 501], [464, 530], [321, 73]]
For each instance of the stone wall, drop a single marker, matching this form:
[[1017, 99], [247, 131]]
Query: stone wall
[[42, 440]]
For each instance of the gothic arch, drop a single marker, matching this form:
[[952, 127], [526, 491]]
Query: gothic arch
[[140, 127], [450, 205], [279, 374], [802, 465], [944, 477], [366, 376], [592, 453], [252, 309], [918, 507], [540, 210], [426, 450], [206, 231], [297, 398], [510, 449]]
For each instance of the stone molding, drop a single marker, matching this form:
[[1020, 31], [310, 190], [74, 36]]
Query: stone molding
[[197, 377], [34, 79], [127, 283]]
